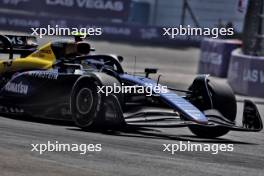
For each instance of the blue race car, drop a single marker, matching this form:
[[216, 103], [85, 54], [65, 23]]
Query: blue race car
[[63, 80]]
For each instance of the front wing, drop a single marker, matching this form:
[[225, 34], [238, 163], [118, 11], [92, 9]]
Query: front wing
[[251, 120]]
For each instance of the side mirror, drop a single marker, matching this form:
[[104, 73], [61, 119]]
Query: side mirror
[[83, 48], [150, 71]]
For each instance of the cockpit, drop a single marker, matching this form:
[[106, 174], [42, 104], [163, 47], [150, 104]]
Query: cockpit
[[70, 53]]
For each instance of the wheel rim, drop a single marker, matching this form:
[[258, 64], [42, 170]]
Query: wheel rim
[[84, 101]]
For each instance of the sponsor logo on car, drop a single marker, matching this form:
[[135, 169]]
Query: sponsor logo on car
[[19, 88], [44, 75]]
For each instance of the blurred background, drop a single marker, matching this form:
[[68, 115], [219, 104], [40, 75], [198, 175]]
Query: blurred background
[[138, 20], [133, 27]]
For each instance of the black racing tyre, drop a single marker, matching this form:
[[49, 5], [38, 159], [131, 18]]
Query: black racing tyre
[[224, 101], [88, 104]]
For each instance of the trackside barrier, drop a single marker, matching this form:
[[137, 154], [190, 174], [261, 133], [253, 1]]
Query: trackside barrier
[[111, 31], [246, 74], [215, 56], [106, 9]]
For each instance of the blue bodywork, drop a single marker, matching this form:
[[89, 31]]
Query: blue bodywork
[[172, 99]]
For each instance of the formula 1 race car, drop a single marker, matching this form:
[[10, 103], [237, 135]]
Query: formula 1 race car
[[63, 80]]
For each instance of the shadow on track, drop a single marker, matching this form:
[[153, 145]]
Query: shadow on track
[[158, 134], [139, 132]]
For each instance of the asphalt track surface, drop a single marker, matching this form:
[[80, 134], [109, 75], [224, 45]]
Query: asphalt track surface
[[131, 152]]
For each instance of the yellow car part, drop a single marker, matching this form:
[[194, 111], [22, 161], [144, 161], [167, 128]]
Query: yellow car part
[[43, 58]]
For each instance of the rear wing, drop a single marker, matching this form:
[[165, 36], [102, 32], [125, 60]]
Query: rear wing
[[14, 44]]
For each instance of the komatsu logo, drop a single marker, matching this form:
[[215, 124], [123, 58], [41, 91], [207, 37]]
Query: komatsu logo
[[19, 88]]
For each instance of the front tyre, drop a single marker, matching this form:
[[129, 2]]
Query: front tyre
[[223, 100]]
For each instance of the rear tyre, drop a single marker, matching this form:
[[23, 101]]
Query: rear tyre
[[223, 100], [86, 104]]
